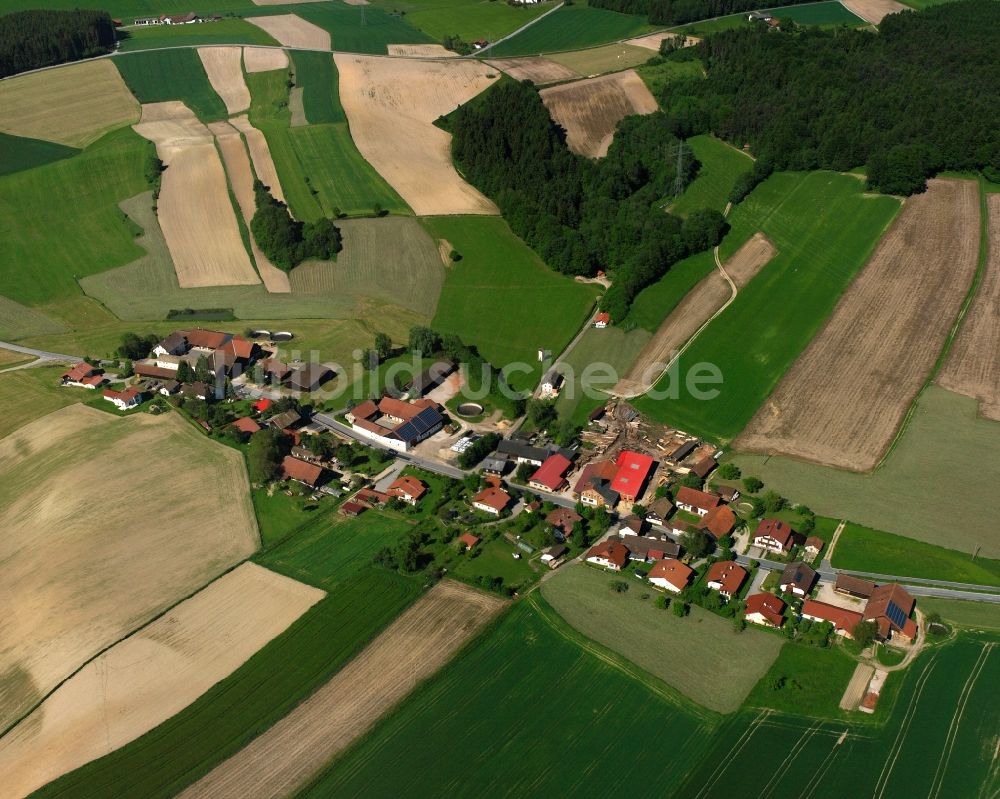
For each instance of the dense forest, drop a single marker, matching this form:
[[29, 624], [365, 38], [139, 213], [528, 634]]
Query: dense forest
[[581, 215], [286, 241], [916, 98], [679, 12], [33, 39]]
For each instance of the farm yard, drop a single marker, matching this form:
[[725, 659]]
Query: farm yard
[[839, 405], [52, 470], [145, 679], [778, 312], [590, 110], [555, 690], [692, 654], [571, 28], [412, 649]]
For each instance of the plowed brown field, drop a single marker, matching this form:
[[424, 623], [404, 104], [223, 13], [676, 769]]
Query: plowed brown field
[[874, 10], [260, 154], [224, 67], [421, 51], [539, 70], [843, 400], [415, 646], [264, 59]]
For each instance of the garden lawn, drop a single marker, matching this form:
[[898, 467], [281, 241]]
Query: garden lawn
[[572, 28], [264, 689], [805, 681], [18, 153], [317, 75], [721, 165], [503, 299], [496, 559], [467, 19], [60, 221], [529, 708], [864, 549], [824, 228], [222, 31], [156, 77], [694, 654]]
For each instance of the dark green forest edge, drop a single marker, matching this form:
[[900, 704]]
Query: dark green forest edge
[[35, 39], [913, 100]]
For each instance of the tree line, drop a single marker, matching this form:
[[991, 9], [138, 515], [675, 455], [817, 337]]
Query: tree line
[[680, 12], [582, 215], [917, 98], [35, 39], [286, 241]]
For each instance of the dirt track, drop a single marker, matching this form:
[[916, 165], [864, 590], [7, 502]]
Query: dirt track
[[412, 649], [293, 31], [264, 59], [224, 67], [874, 11], [843, 400], [152, 675], [973, 366], [539, 70], [591, 109], [391, 105]]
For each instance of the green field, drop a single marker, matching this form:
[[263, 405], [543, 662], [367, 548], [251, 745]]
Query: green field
[[526, 711], [29, 394], [721, 165], [354, 29], [823, 15], [693, 654], [864, 549], [502, 298], [468, 19], [947, 450], [654, 303], [172, 75], [572, 28], [814, 682], [939, 741], [223, 31], [60, 221], [127, 10], [18, 153], [19, 321], [317, 75], [975, 615], [824, 227], [255, 696]]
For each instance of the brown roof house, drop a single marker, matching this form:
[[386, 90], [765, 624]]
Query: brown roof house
[[408, 489], [719, 522], [671, 575], [694, 501], [309, 474], [766, 609], [726, 577], [563, 520], [798, 579], [854, 586], [890, 608], [774, 535], [491, 500], [610, 553]]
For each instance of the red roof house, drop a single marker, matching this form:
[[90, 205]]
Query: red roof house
[[262, 405], [633, 470], [844, 621], [602, 320], [491, 500], [726, 577], [890, 607], [610, 553], [719, 522], [551, 475], [301, 471], [766, 609], [352, 508], [775, 536], [246, 425], [670, 574], [84, 375], [123, 400], [694, 501], [468, 539], [407, 488]]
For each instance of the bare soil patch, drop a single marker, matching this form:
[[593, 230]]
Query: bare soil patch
[[843, 400], [651, 41], [445, 249], [973, 367], [234, 155], [539, 70], [107, 521], [293, 31], [697, 307], [73, 105], [194, 208], [856, 688], [419, 50], [260, 154], [152, 675], [412, 649], [224, 67], [391, 105], [264, 59], [591, 109], [874, 11]]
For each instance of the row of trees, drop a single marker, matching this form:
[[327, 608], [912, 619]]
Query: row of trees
[[34, 39], [679, 12], [582, 215], [915, 99], [286, 241]]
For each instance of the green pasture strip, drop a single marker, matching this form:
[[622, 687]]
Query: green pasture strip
[[964, 613], [721, 166], [356, 29], [469, 20], [823, 15], [222, 31], [317, 75], [655, 302], [162, 75], [18, 154], [572, 28], [824, 227], [128, 10], [249, 701]]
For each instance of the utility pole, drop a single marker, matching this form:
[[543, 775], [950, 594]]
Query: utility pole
[[679, 179]]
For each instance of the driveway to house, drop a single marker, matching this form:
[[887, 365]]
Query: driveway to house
[[386, 479]]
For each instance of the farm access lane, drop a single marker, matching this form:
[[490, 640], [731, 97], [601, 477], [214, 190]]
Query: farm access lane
[[42, 355]]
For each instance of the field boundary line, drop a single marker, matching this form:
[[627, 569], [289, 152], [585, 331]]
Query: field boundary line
[[734, 750], [956, 721], [817, 776], [785, 764]]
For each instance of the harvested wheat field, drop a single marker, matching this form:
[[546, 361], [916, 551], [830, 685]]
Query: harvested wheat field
[[224, 67], [260, 154], [150, 676], [973, 365], [100, 536], [843, 400], [538, 70], [73, 105], [293, 31], [234, 156], [264, 59], [874, 11], [412, 649], [591, 109], [421, 51], [194, 208], [651, 41], [391, 105], [691, 314]]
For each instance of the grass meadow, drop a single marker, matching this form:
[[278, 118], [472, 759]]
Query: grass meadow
[[317, 75], [824, 227], [222, 31], [527, 708], [572, 28], [502, 298], [354, 29], [693, 654], [721, 165], [654, 303], [606, 58], [18, 153], [163, 75], [964, 613], [467, 19], [19, 321], [264, 689], [824, 15], [812, 681], [29, 394]]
